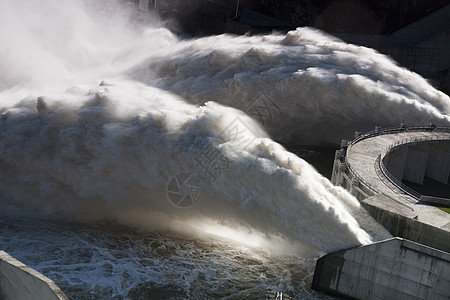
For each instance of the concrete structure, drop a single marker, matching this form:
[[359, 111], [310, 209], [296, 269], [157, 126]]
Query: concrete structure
[[18, 281], [415, 162], [373, 167], [376, 163], [406, 223], [422, 47], [438, 201], [391, 269]]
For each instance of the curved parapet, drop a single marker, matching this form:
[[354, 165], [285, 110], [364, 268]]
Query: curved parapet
[[378, 162], [18, 281]]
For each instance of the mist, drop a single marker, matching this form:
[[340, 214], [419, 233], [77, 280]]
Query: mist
[[105, 118]]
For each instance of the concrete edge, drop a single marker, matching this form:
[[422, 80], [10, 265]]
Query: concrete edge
[[16, 284], [439, 201], [401, 222], [392, 268]]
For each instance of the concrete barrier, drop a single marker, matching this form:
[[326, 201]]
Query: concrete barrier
[[401, 221], [391, 269], [18, 281], [435, 200]]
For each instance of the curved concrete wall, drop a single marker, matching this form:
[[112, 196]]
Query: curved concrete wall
[[415, 162], [18, 281]]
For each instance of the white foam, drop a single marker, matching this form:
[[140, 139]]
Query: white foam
[[114, 150], [75, 149], [305, 87]]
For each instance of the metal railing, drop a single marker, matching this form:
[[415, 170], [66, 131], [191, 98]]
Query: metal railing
[[381, 170], [399, 129], [395, 181], [385, 178], [415, 140], [360, 179]]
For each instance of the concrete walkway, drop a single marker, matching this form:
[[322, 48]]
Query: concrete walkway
[[361, 158]]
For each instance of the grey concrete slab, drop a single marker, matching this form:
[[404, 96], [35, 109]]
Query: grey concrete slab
[[18, 281], [397, 269]]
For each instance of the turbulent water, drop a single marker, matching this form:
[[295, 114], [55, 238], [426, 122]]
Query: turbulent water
[[129, 158], [304, 87], [107, 261]]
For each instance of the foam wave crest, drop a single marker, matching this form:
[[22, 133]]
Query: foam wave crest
[[304, 87], [137, 154]]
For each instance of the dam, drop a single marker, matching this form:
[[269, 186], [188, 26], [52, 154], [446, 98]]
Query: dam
[[100, 116], [379, 168], [377, 163]]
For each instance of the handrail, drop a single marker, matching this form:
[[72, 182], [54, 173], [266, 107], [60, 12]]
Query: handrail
[[379, 163], [360, 179], [396, 182], [399, 129], [415, 140], [379, 167]]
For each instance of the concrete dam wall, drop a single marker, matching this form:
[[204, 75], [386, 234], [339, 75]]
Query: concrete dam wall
[[403, 222], [18, 281], [415, 162], [391, 269], [374, 167]]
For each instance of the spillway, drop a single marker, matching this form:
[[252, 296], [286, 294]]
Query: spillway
[[109, 123]]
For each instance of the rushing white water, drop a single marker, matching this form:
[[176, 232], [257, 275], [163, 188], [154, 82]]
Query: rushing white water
[[103, 119], [110, 154], [305, 87]]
